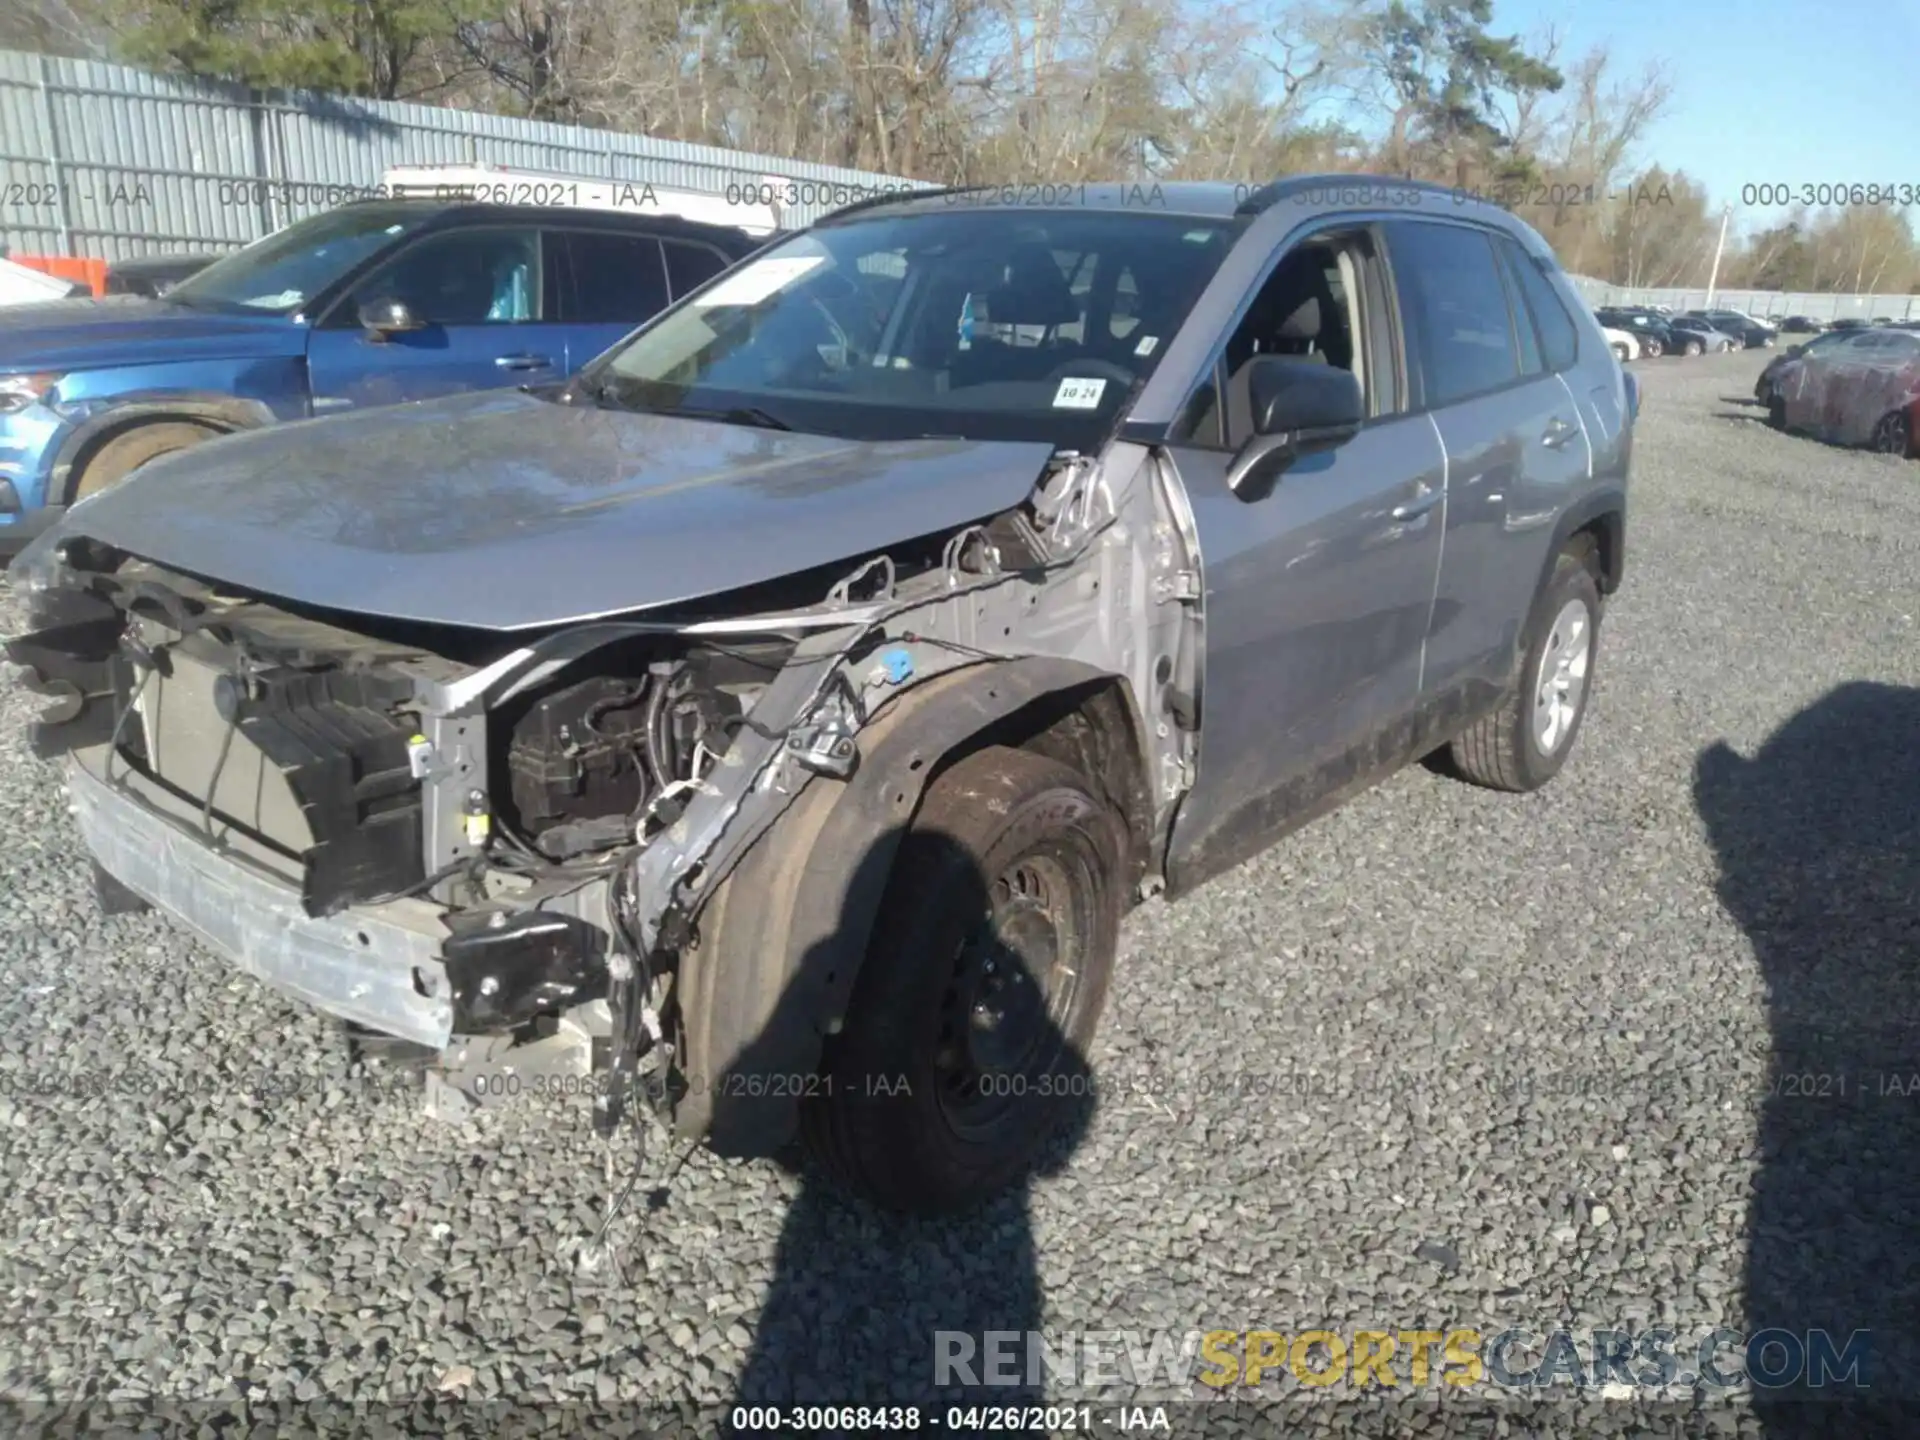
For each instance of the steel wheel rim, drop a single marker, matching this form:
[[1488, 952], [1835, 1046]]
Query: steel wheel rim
[[1014, 982], [1560, 685]]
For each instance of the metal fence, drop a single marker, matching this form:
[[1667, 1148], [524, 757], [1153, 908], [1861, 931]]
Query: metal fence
[[1753, 302], [105, 161], [1775, 302], [109, 162]]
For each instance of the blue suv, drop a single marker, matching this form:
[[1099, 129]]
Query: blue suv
[[377, 302]]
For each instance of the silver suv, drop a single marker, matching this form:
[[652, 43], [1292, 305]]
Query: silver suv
[[771, 725]]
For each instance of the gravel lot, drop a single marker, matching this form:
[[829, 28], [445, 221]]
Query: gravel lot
[[1531, 1035]]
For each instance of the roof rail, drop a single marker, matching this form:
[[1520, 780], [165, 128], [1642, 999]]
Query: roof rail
[[1267, 196], [894, 197]]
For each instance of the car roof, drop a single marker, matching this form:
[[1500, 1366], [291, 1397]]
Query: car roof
[[1205, 199], [1198, 199], [1210, 199], [448, 213]]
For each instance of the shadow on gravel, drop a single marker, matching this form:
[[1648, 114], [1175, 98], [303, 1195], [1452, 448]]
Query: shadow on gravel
[[860, 1295], [1818, 840]]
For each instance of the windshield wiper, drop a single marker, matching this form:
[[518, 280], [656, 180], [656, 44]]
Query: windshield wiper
[[624, 394], [734, 415]]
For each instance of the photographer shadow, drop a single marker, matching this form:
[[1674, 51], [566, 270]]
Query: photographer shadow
[[1818, 843], [870, 1307]]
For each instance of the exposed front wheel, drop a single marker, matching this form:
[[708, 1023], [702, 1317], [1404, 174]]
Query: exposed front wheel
[[126, 453], [1651, 349], [1894, 435], [1777, 413], [1694, 347], [1523, 744], [961, 1052], [1620, 353]]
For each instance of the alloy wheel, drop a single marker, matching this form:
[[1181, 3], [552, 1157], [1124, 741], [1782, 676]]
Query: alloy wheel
[[1891, 436], [1561, 684]]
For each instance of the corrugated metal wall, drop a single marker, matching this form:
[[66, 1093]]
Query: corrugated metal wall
[[105, 161], [1772, 302]]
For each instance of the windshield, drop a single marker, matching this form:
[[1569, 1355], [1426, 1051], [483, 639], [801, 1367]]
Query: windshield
[[985, 324], [286, 269]]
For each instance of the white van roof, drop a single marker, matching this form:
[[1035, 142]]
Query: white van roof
[[20, 285], [502, 185]]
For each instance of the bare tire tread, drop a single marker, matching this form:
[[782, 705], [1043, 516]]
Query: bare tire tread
[[128, 451]]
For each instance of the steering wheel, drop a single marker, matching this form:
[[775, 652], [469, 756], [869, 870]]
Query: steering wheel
[[1088, 369]]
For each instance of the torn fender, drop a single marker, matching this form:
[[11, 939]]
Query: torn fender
[[780, 944]]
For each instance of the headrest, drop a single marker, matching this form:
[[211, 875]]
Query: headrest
[[1304, 322], [1033, 292]]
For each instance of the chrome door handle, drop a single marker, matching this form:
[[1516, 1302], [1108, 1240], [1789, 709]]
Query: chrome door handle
[[524, 362], [1414, 509], [1559, 432]]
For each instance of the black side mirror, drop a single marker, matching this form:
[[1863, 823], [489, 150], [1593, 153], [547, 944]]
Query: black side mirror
[[1298, 406], [382, 318]]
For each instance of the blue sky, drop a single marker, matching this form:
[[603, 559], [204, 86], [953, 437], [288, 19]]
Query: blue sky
[[1764, 90]]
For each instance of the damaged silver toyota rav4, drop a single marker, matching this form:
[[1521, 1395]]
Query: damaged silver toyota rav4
[[774, 722]]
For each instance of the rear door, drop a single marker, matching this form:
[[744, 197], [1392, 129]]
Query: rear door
[[610, 281], [1490, 378], [483, 299]]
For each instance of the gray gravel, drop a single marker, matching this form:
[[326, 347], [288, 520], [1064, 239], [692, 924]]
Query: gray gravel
[[1445, 1058]]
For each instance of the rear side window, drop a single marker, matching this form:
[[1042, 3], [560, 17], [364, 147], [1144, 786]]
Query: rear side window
[[616, 279], [691, 266], [1455, 307], [1559, 339]]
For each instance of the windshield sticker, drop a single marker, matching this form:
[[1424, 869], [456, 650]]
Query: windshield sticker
[[1146, 345], [1076, 394], [756, 281]]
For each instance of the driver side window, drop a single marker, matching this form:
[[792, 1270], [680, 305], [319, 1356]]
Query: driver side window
[[468, 277], [1307, 308]]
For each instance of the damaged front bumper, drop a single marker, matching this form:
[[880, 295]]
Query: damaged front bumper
[[379, 966]]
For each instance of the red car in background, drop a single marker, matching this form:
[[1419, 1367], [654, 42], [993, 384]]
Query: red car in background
[[1860, 390]]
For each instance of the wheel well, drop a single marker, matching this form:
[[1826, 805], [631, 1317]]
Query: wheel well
[[1093, 729], [1599, 539], [85, 456]]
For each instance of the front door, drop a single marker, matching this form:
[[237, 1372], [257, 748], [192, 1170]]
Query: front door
[[1318, 593], [482, 301]]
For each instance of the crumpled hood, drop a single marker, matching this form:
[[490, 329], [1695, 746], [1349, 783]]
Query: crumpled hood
[[134, 330], [504, 511]]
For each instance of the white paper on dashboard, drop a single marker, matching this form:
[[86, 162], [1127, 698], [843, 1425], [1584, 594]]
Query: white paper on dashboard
[[759, 279]]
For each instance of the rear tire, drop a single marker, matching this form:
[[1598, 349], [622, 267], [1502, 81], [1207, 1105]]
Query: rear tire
[[1620, 353], [126, 453], [1523, 744], [1893, 435], [1650, 348], [961, 1050]]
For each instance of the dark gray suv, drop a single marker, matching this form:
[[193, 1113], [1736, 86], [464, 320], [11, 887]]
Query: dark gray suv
[[772, 724]]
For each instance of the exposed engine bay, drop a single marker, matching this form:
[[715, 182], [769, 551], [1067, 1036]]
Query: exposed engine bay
[[500, 842], [587, 759]]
